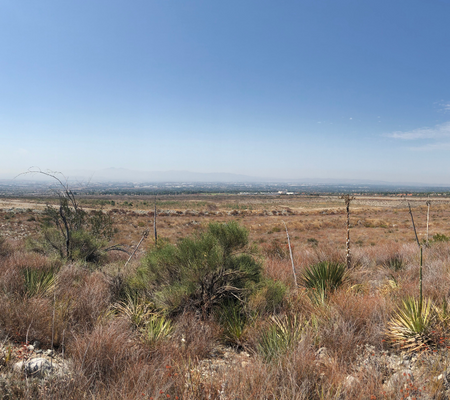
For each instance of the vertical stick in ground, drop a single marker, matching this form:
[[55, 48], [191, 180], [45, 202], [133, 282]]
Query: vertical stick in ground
[[421, 259], [290, 253], [428, 217], [154, 225], [347, 199]]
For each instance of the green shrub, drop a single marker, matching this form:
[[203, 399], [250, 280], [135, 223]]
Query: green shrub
[[69, 230], [87, 246], [202, 271], [268, 296], [440, 237], [83, 246]]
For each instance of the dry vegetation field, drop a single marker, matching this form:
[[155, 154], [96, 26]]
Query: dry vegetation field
[[130, 332]]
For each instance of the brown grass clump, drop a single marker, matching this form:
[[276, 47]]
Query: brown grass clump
[[13, 267], [105, 352], [5, 248], [26, 318], [115, 364], [195, 337], [353, 320], [87, 296]]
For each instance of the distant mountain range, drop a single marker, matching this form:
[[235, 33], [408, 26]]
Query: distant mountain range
[[126, 175], [121, 175]]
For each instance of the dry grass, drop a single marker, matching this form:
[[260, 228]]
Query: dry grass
[[109, 359]]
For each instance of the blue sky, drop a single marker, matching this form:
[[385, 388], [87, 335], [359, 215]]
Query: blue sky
[[288, 89]]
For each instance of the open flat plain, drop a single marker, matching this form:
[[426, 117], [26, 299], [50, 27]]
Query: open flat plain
[[311, 220]]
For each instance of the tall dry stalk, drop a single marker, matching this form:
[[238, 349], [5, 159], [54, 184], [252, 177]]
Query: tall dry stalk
[[154, 226], [421, 258], [146, 232], [290, 253], [347, 199], [428, 217], [53, 328]]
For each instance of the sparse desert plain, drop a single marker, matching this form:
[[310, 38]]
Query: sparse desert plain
[[218, 315], [374, 220]]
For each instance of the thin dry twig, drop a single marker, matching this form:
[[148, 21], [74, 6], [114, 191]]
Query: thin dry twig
[[146, 232]]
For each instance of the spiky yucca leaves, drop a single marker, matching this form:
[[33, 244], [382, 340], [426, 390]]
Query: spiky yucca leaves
[[157, 328], [323, 278], [282, 335], [233, 321], [410, 325], [137, 309], [141, 313], [395, 263], [442, 313], [38, 282]]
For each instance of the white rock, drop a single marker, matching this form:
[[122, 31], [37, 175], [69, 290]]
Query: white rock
[[36, 367], [350, 381]]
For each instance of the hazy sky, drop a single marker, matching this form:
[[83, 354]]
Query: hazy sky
[[293, 89]]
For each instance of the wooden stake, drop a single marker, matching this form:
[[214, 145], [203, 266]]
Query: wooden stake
[[146, 232], [347, 198], [428, 217], [421, 259], [290, 253], [154, 226]]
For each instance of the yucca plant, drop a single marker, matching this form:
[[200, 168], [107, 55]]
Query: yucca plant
[[442, 313], [233, 322], [38, 282], [411, 323], [135, 308], [395, 263], [282, 335], [157, 328], [323, 278]]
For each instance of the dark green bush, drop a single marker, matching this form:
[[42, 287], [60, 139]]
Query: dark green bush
[[440, 237], [202, 271], [268, 296]]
